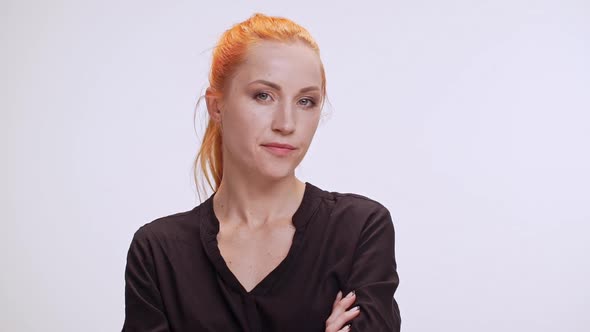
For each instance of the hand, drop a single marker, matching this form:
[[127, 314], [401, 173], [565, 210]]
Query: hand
[[340, 316]]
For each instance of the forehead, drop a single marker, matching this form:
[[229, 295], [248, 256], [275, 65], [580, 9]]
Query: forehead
[[287, 64]]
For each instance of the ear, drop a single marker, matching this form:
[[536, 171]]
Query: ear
[[214, 105]]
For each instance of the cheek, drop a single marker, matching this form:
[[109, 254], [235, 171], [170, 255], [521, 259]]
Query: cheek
[[310, 126], [243, 127]]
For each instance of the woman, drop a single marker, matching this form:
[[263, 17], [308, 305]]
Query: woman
[[266, 251]]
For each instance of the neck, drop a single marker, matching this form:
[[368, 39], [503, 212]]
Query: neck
[[246, 201]]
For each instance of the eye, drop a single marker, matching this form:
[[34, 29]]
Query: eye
[[262, 96], [307, 102]]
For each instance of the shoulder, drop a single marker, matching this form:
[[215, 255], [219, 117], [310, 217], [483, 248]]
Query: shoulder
[[358, 221], [176, 226], [355, 209], [355, 203]]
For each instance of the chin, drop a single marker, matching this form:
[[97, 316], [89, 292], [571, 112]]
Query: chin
[[278, 173]]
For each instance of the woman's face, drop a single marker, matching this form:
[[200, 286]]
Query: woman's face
[[274, 97]]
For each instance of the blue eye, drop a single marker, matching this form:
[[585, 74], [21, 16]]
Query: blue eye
[[309, 103], [262, 96]]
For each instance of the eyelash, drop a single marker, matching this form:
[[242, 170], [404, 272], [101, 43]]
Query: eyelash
[[311, 104]]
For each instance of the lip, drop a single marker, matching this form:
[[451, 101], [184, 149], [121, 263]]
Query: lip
[[279, 149], [279, 145]]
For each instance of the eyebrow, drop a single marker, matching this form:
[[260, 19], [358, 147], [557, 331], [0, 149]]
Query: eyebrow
[[277, 87]]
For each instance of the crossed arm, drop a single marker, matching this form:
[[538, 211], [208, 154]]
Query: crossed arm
[[374, 276], [143, 303]]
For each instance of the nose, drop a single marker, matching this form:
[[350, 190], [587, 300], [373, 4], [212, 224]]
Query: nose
[[284, 119]]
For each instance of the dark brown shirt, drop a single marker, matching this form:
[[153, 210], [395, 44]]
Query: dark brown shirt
[[177, 280]]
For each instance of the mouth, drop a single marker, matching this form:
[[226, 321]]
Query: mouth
[[279, 145], [280, 150]]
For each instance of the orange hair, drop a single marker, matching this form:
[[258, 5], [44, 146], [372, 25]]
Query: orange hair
[[229, 52]]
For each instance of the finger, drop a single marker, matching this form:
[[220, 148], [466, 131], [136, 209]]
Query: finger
[[346, 301], [341, 307], [345, 318], [338, 298], [346, 328]]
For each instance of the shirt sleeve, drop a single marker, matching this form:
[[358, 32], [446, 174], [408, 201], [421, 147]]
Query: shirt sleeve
[[144, 309], [374, 276]]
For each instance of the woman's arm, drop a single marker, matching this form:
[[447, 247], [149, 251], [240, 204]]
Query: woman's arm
[[374, 276], [143, 304]]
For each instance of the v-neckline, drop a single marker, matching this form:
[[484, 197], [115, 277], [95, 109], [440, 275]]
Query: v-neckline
[[210, 229]]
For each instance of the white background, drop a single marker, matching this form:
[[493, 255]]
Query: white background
[[469, 120]]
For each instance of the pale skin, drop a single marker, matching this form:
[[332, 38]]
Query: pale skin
[[273, 96]]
